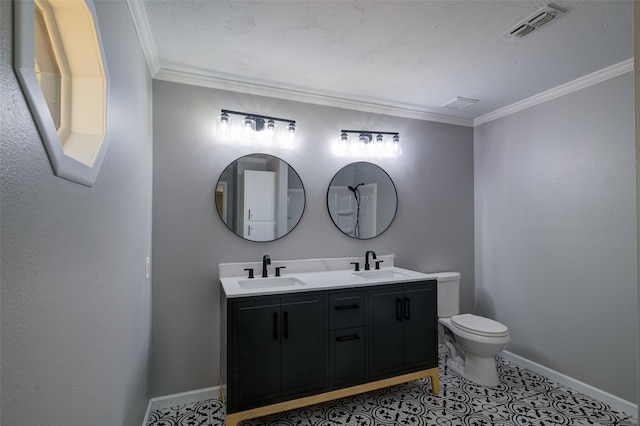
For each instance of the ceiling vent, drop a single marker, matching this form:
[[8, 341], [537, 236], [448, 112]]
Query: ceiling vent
[[534, 21], [459, 103]]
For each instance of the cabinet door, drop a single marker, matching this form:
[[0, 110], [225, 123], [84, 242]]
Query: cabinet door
[[385, 335], [346, 356], [256, 337], [303, 343], [419, 326]]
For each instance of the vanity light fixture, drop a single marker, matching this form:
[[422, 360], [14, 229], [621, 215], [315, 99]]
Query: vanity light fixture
[[256, 128], [368, 142]]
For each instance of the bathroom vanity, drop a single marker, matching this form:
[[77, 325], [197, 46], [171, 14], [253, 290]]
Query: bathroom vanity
[[322, 331]]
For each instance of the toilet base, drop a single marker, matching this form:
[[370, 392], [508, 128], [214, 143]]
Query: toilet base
[[482, 371]]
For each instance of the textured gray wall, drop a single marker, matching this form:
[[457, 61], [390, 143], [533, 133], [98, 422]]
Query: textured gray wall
[[433, 230], [75, 305], [556, 233]]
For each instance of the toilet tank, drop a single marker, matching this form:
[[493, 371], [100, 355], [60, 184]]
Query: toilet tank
[[448, 294]]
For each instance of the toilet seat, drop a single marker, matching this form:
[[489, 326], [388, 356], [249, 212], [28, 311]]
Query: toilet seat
[[479, 325]]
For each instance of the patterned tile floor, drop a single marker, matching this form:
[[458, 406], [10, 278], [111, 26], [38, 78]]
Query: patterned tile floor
[[522, 398]]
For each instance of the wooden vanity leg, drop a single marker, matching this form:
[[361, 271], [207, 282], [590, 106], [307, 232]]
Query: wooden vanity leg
[[435, 380], [232, 419]]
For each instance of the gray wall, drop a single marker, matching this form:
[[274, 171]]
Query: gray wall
[[555, 233], [75, 306], [636, 67], [433, 230]]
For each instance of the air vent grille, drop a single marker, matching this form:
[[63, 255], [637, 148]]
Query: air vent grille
[[534, 21]]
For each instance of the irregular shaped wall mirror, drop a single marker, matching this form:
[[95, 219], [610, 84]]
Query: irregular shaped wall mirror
[[362, 200], [260, 197], [61, 66]]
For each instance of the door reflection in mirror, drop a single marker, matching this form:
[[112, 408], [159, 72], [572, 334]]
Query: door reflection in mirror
[[260, 197], [362, 200]]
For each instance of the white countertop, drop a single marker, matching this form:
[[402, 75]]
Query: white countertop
[[241, 286]]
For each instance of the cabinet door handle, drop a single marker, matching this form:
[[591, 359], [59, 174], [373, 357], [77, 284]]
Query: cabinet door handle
[[275, 325], [345, 307], [248, 230], [249, 214], [347, 338], [407, 308], [286, 325], [399, 309]]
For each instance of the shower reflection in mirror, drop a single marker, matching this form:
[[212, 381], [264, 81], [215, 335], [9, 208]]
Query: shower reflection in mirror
[[260, 197], [362, 200]]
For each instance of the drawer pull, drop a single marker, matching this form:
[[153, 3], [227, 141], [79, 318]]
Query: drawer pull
[[347, 338], [345, 307]]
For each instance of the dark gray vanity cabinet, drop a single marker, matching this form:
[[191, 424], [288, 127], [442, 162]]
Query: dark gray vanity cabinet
[[402, 328], [347, 356], [276, 349], [309, 347]]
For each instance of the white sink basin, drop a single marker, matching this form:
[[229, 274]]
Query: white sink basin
[[380, 273], [257, 283]]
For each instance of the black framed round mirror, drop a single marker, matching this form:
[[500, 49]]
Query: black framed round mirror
[[362, 200], [260, 197]]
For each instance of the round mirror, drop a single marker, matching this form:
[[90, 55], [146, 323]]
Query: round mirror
[[260, 197], [362, 200]]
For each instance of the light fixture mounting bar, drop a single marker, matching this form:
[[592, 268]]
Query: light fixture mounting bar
[[370, 131], [264, 117]]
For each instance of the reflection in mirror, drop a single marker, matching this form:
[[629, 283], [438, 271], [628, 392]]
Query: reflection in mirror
[[362, 200], [260, 197], [46, 66]]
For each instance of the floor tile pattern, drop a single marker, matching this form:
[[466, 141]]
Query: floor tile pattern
[[522, 398]]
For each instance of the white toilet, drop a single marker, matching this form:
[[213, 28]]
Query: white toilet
[[473, 341]]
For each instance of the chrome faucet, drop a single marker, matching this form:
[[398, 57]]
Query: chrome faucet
[[266, 260], [366, 259]]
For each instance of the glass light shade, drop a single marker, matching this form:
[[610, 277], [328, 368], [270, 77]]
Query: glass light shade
[[289, 136], [270, 130], [247, 132], [396, 144], [379, 145], [223, 125], [343, 143]]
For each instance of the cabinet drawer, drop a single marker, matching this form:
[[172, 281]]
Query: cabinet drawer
[[346, 310]]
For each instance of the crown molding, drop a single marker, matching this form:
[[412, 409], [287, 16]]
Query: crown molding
[[564, 89], [140, 21], [197, 78]]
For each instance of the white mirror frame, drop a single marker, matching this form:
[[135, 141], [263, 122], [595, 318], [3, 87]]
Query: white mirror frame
[[63, 165]]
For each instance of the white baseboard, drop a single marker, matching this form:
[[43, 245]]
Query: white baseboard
[[182, 398], [613, 401]]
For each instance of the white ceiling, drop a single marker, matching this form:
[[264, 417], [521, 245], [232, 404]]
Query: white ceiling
[[399, 57]]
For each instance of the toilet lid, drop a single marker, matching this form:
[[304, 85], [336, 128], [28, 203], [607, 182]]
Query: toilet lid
[[479, 325]]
